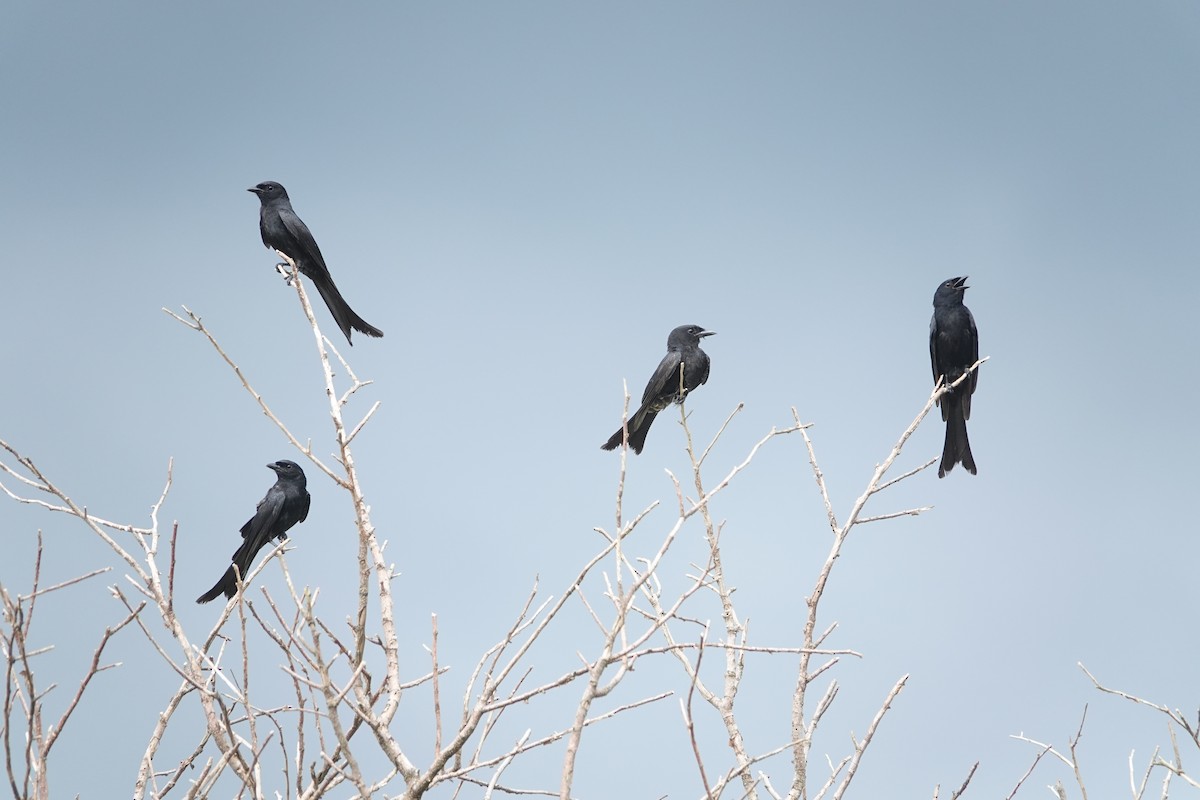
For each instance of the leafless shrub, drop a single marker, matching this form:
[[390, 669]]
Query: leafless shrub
[[346, 682]]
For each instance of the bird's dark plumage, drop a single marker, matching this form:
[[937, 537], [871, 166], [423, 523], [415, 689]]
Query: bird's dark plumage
[[282, 230], [683, 354], [953, 348], [286, 504]]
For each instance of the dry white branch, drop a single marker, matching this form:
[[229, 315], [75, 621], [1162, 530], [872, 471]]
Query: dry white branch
[[861, 746], [347, 694], [803, 732], [195, 323]]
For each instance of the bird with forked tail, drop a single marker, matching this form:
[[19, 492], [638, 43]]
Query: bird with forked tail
[[285, 504], [953, 349], [682, 370], [285, 232]]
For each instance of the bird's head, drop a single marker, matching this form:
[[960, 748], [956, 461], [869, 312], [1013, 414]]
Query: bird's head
[[287, 469], [951, 289], [687, 334], [269, 190]]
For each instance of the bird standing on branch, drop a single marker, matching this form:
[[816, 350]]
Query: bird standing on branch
[[285, 232], [953, 349], [286, 504], [683, 368]]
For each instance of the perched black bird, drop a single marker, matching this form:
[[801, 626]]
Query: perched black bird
[[286, 504], [282, 230], [667, 386], [953, 348]]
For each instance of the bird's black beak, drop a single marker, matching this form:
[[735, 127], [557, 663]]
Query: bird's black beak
[[702, 334], [961, 283], [273, 467], [254, 189]]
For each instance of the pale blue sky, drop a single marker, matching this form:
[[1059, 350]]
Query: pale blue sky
[[526, 197]]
